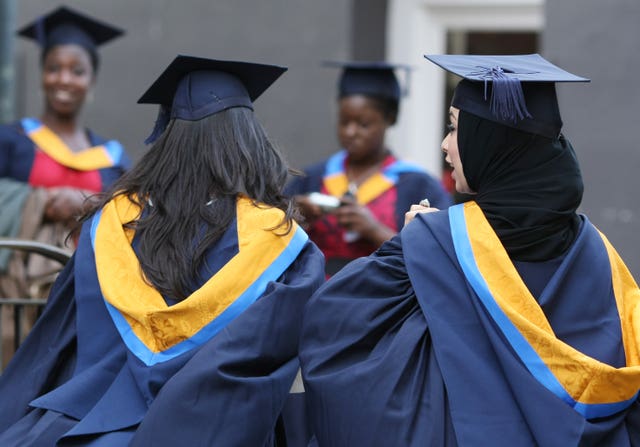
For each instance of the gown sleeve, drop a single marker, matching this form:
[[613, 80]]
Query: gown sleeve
[[370, 373], [17, 152], [415, 186]]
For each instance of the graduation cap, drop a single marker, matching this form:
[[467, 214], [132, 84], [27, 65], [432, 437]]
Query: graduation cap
[[67, 26], [515, 90], [370, 78], [192, 88]]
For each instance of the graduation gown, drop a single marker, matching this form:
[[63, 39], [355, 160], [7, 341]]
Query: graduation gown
[[436, 340], [388, 194], [32, 160], [111, 363], [31, 153]]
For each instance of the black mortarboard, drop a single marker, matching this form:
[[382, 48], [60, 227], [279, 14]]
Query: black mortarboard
[[191, 88], [65, 26], [369, 78], [516, 90]]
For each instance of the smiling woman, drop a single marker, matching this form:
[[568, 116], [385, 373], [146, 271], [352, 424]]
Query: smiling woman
[[49, 165], [67, 77], [54, 161]]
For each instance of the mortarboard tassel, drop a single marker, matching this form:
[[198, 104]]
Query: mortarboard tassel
[[507, 97]]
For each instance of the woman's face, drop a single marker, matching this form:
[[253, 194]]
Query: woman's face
[[361, 127], [67, 76], [450, 148]]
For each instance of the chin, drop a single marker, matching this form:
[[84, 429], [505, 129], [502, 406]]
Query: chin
[[462, 189], [357, 154], [65, 112]]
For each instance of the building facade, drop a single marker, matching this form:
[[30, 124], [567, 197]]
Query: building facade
[[592, 38]]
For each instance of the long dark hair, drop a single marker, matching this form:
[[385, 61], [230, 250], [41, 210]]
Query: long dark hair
[[188, 183]]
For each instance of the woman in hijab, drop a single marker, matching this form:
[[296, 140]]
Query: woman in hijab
[[177, 320], [508, 320]]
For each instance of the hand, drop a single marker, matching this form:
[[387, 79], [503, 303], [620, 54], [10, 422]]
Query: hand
[[359, 219], [417, 209], [65, 204], [310, 211]]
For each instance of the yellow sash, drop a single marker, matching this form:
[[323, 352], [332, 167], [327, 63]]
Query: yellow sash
[[96, 157], [586, 380], [338, 184], [148, 318]]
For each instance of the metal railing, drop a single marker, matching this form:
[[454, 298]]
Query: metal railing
[[20, 305]]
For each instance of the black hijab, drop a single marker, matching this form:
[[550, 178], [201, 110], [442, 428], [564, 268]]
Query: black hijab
[[528, 186]]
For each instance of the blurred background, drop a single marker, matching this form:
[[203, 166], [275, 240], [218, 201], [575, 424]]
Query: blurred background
[[591, 38]]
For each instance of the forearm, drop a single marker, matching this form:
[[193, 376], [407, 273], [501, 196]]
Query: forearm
[[378, 234]]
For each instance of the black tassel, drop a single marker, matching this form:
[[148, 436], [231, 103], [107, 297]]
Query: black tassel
[[507, 97]]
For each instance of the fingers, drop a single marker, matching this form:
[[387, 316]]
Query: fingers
[[64, 204], [415, 210], [410, 215], [348, 200], [308, 209]]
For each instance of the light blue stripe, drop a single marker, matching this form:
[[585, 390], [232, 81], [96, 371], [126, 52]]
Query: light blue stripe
[[30, 124], [95, 220], [114, 150], [525, 351], [393, 171], [248, 297], [335, 163], [591, 411], [131, 340]]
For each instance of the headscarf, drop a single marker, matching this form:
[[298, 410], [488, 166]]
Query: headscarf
[[528, 186]]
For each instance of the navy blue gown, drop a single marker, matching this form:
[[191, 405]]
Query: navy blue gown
[[415, 346], [97, 371]]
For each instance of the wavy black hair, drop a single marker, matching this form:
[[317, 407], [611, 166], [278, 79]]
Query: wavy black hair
[[188, 183]]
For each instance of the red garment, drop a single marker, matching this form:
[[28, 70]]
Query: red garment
[[48, 173], [330, 237], [387, 195]]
